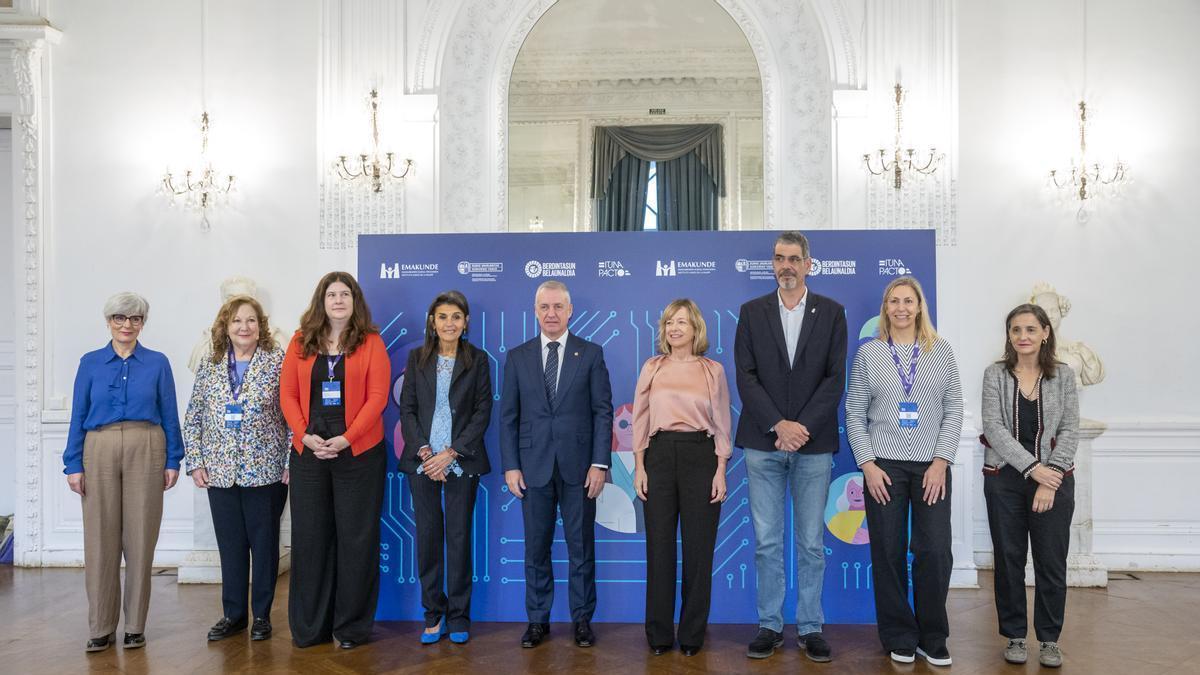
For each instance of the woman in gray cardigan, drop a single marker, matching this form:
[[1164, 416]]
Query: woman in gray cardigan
[[1031, 431]]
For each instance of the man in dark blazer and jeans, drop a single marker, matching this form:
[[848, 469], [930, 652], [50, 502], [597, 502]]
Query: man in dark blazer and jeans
[[555, 439], [790, 353]]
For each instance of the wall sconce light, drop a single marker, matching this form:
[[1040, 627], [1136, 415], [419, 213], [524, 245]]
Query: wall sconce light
[[903, 160], [199, 189], [372, 167], [536, 224], [1085, 178], [1082, 179]]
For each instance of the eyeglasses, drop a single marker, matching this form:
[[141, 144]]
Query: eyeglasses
[[119, 319]]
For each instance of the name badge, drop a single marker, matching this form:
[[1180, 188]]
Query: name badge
[[331, 393], [908, 415], [233, 416]]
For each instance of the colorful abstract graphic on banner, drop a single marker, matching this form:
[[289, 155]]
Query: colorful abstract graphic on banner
[[619, 284]]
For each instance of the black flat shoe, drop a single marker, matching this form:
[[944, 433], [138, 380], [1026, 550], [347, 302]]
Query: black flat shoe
[[347, 644], [225, 628], [101, 643], [134, 641], [534, 634], [689, 650], [659, 650], [261, 630], [584, 637]]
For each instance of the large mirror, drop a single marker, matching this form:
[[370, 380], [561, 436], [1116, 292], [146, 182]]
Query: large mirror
[[632, 115]]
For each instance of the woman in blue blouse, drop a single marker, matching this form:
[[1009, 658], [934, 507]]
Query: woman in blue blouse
[[123, 451], [445, 406], [904, 415], [236, 447]]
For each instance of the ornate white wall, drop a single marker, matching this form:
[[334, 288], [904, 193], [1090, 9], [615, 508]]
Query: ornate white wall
[[990, 76]]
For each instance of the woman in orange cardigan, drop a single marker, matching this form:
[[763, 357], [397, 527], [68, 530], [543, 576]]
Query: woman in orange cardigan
[[333, 390]]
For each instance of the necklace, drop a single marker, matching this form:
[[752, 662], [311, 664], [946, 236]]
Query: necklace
[[1037, 437], [1033, 391]]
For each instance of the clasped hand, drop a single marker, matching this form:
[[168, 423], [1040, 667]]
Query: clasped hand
[[436, 466], [790, 436], [325, 449], [1046, 477]]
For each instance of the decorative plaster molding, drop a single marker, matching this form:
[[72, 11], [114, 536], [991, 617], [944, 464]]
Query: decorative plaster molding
[[607, 64], [348, 210], [352, 30], [26, 61], [921, 203], [844, 66], [478, 58], [585, 96], [434, 25]]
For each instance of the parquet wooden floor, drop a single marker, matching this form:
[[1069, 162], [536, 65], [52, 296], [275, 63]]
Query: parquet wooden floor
[[1138, 626]]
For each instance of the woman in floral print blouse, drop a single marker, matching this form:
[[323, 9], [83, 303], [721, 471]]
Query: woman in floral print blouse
[[236, 447]]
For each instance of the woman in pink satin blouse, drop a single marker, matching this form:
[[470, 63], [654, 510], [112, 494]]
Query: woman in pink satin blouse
[[681, 435]]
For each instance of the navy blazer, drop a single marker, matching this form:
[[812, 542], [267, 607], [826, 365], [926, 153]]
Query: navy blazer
[[575, 432], [470, 406], [774, 387]]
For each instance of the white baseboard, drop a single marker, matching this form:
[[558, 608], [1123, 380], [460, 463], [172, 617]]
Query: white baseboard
[[1142, 508]]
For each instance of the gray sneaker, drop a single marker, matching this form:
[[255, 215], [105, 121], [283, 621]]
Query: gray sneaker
[[1051, 655], [1016, 651]]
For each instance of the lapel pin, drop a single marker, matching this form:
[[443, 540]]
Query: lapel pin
[[576, 353], [813, 310]]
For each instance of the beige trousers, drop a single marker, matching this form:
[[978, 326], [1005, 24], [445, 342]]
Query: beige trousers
[[123, 467]]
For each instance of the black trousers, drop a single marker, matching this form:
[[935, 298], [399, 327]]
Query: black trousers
[[540, 510], [246, 522], [679, 474], [335, 545], [449, 528], [1014, 528], [899, 626]]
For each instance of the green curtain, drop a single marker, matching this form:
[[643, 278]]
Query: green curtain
[[687, 195], [623, 206], [690, 156]]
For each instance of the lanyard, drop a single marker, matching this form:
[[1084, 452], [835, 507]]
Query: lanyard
[[906, 379], [235, 380], [332, 362]]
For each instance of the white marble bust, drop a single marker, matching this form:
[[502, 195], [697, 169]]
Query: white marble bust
[[235, 285], [1086, 363]]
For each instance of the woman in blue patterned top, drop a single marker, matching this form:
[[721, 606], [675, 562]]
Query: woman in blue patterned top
[[236, 447], [445, 407], [123, 451], [904, 414]]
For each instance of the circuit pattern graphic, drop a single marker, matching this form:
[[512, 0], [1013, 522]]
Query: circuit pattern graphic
[[621, 314]]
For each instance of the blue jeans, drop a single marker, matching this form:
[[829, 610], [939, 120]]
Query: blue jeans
[[770, 476]]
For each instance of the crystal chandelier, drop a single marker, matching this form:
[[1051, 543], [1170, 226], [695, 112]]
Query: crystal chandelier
[[203, 188], [372, 167], [199, 189], [1084, 179], [903, 160]]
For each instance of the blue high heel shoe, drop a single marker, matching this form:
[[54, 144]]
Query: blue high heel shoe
[[431, 638], [460, 637]]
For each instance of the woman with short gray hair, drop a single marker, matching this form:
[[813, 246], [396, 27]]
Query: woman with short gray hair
[[125, 439]]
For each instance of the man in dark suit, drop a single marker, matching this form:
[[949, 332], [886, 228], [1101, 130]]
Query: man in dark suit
[[555, 438], [790, 353]]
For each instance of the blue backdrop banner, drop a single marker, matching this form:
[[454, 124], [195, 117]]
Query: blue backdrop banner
[[619, 284]]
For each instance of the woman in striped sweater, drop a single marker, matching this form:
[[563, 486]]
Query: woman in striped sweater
[[904, 414]]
